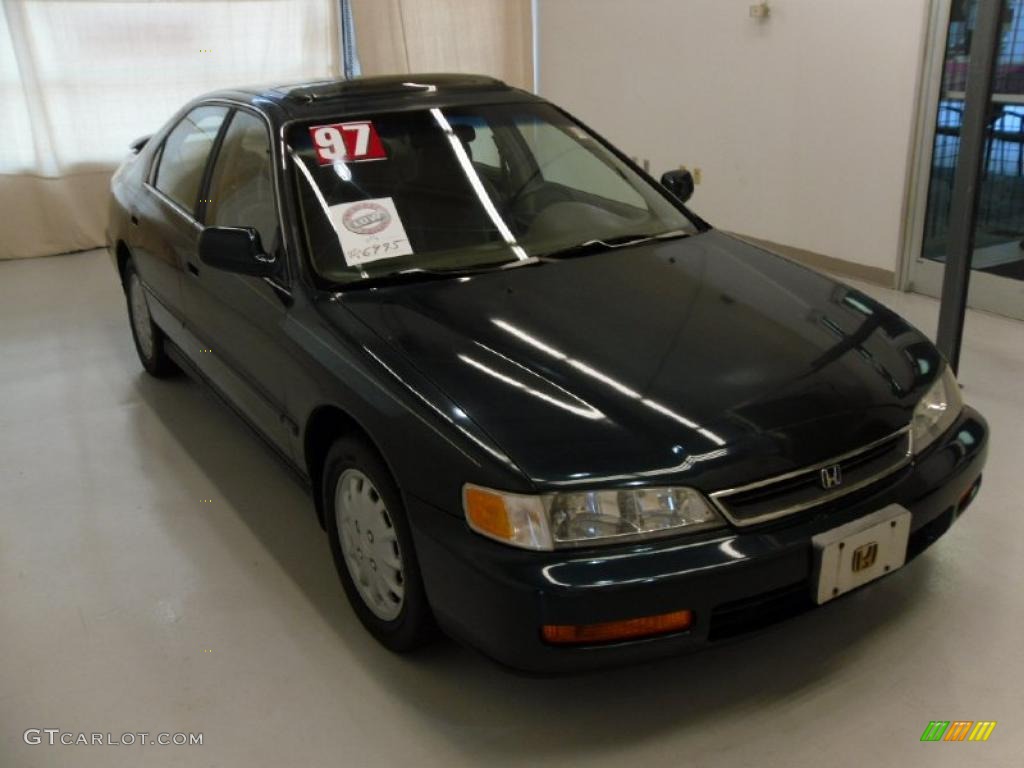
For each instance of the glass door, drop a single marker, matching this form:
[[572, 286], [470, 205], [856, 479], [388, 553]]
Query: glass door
[[997, 278]]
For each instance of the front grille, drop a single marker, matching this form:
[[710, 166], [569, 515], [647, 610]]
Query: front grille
[[805, 488]]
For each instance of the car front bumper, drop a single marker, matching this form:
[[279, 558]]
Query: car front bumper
[[496, 598]]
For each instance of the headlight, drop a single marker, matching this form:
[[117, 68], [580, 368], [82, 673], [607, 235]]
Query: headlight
[[937, 410], [557, 520]]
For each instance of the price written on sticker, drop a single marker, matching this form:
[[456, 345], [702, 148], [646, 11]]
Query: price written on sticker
[[350, 142], [398, 247]]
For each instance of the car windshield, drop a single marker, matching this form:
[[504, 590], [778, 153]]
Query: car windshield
[[463, 189]]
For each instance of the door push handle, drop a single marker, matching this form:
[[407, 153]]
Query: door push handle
[[193, 269]]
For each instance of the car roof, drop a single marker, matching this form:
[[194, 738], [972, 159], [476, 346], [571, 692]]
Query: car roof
[[379, 93]]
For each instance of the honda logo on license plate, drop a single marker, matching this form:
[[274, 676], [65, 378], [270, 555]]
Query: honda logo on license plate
[[864, 557]]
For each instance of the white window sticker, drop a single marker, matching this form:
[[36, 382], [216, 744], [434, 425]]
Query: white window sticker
[[369, 230]]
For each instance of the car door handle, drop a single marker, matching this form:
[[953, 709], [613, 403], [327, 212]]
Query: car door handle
[[193, 269]]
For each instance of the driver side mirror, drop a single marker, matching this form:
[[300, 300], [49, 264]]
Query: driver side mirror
[[679, 183], [235, 249]]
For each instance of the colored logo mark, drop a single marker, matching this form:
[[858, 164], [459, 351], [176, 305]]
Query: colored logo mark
[[958, 730]]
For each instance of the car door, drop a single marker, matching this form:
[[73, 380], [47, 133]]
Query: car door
[[163, 217], [237, 319]]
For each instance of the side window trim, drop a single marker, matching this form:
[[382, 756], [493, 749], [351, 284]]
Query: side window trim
[[173, 204], [154, 163], [211, 162]]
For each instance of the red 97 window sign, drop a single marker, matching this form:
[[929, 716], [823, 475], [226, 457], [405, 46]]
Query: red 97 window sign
[[347, 142]]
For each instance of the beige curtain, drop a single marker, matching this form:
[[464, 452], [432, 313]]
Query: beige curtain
[[80, 79], [43, 216], [490, 37]]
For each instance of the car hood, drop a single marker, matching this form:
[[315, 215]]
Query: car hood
[[703, 360]]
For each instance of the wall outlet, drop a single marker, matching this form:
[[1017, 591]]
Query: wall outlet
[[760, 11]]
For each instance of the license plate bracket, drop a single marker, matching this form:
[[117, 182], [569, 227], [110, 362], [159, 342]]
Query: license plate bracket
[[861, 551]]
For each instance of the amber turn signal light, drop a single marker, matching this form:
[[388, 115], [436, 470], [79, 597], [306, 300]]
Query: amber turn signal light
[[610, 631], [486, 512]]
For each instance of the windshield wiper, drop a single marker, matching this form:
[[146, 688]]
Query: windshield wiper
[[423, 274], [599, 245]]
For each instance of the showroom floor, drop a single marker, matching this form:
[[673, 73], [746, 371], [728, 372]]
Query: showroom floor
[[162, 572]]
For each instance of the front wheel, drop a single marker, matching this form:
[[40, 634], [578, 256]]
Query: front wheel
[[372, 547], [149, 340]]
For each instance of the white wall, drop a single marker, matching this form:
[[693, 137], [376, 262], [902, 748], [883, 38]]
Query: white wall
[[801, 124]]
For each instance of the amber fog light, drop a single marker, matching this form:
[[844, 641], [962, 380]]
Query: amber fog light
[[610, 631]]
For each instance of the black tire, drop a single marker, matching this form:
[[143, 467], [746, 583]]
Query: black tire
[[413, 626], [151, 350]]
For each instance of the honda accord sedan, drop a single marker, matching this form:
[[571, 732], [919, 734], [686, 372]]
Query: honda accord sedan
[[539, 403]]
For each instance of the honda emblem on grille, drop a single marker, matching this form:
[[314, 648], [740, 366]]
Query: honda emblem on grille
[[831, 476]]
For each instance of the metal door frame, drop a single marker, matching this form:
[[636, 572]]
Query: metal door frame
[[992, 293]]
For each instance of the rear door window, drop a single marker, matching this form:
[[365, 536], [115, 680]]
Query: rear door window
[[185, 151]]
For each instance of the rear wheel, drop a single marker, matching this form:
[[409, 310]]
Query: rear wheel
[[372, 547], [149, 340]]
